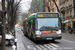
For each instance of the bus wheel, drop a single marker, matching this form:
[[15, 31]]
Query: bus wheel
[[29, 35], [32, 37], [24, 33]]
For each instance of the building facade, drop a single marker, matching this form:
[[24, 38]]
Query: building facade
[[50, 6], [67, 13], [0, 6]]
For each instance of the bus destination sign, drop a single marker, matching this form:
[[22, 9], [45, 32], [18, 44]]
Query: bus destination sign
[[48, 15]]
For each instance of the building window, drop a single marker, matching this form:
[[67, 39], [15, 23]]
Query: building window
[[60, 1], [67, 13], [49, 9], [74, 5], [70, 12], [48, 0], [52, 9]]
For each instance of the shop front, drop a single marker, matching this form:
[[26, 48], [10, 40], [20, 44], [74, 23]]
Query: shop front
[[67, 24]]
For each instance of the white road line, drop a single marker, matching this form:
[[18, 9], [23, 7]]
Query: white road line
[[68, 41], [54, 45], [31, 47], [51, 46], [47, 46], [43, 47], [38, 47]]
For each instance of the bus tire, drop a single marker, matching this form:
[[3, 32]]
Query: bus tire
[[29, 35], [32, 37], [24, 33]]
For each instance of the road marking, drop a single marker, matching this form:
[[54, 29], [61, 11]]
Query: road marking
[[54, 45], [38, 47], [47, 46], [31, 47], [51, 46], [43, 47], [20, 45], [68, 41]]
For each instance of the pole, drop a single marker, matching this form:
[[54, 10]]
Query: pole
[[3, 35]]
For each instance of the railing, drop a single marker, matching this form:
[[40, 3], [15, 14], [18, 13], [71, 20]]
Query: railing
[[70, 6], [62, 9], [66, 7]]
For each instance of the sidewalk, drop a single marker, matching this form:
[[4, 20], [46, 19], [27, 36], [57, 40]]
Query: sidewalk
[[69, 34], [20, 45], [7, 48]]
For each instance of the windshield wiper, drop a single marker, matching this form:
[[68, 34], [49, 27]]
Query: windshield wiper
[[48, 28]]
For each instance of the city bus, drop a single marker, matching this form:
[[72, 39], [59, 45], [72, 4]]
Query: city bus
[[43, 26]]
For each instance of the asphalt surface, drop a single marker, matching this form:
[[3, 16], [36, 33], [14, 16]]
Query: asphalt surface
[[66, 43]]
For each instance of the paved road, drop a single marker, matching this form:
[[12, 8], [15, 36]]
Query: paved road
[[24, 43]]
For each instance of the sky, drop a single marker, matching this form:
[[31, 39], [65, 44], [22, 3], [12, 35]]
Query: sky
[[25, 5]]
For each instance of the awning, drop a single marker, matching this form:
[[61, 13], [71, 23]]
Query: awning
[[66, 21]]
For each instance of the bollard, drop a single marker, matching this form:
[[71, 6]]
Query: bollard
[[14, 47], [15, 43], [15, 40]]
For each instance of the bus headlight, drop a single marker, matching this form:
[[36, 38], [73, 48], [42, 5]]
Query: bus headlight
[[38, 33], [59, 32]]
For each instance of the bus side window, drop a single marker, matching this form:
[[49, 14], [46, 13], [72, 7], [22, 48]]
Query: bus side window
[[33, 25]]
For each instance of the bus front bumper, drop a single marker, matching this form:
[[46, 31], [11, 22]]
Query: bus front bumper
[[48, 37]]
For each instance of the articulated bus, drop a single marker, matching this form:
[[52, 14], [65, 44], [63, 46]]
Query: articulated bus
[[43, 26]]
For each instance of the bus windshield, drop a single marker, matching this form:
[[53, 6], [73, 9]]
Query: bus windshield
[[48, 24]]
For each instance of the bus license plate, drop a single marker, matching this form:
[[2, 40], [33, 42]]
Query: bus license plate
[[49, 38]]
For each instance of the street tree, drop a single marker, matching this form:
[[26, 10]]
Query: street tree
[[56, 5], [3, 25], [12, 12]]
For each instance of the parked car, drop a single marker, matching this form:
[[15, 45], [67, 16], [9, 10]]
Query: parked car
[[72, 30], [21, 28], [9, 38]]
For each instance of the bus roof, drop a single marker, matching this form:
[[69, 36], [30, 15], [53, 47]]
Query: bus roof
[[33, 15], [47, 12]]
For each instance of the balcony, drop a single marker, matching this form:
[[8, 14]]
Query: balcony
[[62, 9], [66, 7], [70, 5]]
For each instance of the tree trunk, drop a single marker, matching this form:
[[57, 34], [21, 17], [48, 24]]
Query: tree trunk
[[56, 5], [3, 36]]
